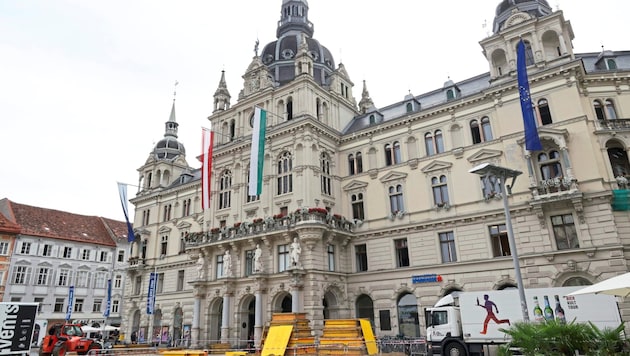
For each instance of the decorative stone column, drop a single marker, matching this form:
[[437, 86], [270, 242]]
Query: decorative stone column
[[196, 331], [297, 286], [225, 319]]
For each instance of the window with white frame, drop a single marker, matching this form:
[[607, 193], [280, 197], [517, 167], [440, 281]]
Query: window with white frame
[[100, 280], [64, 277], [47, 250], [164, 245], [283, 258], [85, 254], [67, 252], [97, 306], [4, 248], [121, 256], [225, 190], [43, 276], [447, 246], [103, 256], [326, 179], [396, 199], [549, 164], [59, 303], [21, 274], [118, 281], [285, 174], [439, 187], [25, 249], [564, 232], [115, 306], [78, 305], [82, 280]]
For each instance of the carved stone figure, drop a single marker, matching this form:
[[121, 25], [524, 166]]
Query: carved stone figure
[[201, 267], [295, 252], [227, 264], [258, 265]]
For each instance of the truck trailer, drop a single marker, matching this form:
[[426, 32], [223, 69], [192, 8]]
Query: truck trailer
[[464, 323]]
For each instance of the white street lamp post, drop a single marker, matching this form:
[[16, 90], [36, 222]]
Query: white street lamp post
[[502, 174]]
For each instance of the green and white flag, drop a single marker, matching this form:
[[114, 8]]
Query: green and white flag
[[257, 155]]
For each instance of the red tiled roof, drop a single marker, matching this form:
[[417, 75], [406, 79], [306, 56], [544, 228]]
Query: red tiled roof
[[117, 228], [8, 226], [57, 224]]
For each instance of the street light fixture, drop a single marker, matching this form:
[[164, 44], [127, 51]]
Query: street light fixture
[[487, 170]]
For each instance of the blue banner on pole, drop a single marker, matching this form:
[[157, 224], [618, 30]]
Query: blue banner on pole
[[151, 294], [108, 305], [70, 303], [532, 141]]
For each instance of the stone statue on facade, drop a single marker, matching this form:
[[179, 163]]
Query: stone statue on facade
[[258, 265], [227, 264], [295, 252]]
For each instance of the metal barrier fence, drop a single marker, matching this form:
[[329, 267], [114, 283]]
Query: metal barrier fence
[[386, 345]]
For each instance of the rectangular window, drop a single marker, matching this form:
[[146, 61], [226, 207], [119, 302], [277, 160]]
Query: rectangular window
[[26, 248], [447, 246], [20, 274], [564, 231], [100, 281], [164, 246], [118, 281], [59, 305], [402, 253], [85, 255], [499, 240], [64, 277], [386, 322], [82, 279], [103, 256], [121, 256], [4, 248], [180, 280], [249, 262], [40, 302], [42, 276], [98, 304], [47, 251], [360, 252], [219, 273], [283, 258], [160, 283], [331, 257], [115, 306], [137, 287], [67, 252], [78, 305], [16, 299]]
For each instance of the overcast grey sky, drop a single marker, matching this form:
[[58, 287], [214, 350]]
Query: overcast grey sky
[[87, 85]]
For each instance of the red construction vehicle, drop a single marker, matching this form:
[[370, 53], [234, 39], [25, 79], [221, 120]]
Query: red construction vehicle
[[62, 338]]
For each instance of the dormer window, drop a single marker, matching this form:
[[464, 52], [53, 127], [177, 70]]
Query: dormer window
[[611, 64], [372, 119], [450, 94]]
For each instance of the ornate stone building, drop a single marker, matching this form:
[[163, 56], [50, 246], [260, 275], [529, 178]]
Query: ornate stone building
[[380, 200]]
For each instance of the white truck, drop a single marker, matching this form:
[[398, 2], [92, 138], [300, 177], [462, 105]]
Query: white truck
[[463, 323]]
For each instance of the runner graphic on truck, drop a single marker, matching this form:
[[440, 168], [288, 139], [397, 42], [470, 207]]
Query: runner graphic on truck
[[488, 305]]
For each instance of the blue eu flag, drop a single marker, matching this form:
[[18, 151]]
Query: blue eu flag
[[532, 141]]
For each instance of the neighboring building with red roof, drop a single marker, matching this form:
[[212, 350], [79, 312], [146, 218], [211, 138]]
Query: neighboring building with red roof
[[48, 251]]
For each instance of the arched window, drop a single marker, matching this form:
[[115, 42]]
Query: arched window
[[392, 153], [549, 164], [544, 112], [388, 154], [365, 308], [475, 132], [611, 113], [409, 107], [289, 109], [439, 141], [372, 119], [232, 130], [358, 211], [599, 110], [359, 160], [285, 175], [486, 129], [351, 163], [576, 282], [326, 178], [619, 161], [529, 54], [440, 190], [225, 190], [408, 318], [428, 144], [450, 94], [611, 64], [396, 199]]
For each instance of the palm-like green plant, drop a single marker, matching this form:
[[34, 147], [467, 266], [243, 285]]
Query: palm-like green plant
[[556, 338]]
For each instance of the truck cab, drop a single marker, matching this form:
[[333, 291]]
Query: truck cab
[[444, 327]]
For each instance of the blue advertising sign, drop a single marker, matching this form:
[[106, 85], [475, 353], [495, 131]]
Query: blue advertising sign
[[70, 303], [108, 305], [426, 278], [151, 294]]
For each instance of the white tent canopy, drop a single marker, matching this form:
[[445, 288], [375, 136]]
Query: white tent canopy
[[619, 286]]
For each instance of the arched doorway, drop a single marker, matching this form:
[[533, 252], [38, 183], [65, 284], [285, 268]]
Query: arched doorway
[[365, 308], [214, 324], [246, 318], [331, 307], [154, 336], [286, 304], [408, 322]]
